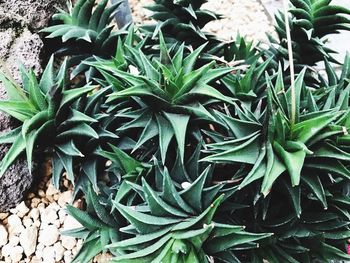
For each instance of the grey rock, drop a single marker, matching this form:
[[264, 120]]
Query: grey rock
[[25, 49], [14, 183], [20, 22], [35, 13]]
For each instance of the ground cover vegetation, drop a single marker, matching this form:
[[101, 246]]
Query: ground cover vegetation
[[187, 148]]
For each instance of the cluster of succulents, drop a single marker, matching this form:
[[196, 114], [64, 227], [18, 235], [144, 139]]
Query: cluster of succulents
[[180, 154]]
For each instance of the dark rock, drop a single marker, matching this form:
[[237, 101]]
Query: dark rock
[[14, 183], [34, 13], [20, 22]]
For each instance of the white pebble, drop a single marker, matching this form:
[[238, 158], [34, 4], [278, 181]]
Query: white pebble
[[186, 185], [34, 213], [59, 251], [49, 215], [49, 235], [68, 242], [51, 190], [41, 207], [28, 240], [68, 258], [36, 259], [65, 198], [71, 223], [27, 222], [14, 224], [6, 250], [3, 236], [22, 209], [49, 255], [16, 253], [13, 240], [39, 250], [62, 215]]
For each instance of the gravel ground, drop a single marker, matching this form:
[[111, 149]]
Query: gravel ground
[[31, 231], [247, 17]]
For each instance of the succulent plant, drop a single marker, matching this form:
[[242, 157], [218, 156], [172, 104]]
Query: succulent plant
[[182, 21], [48, 117], [271, 147], [85, 31], [183, 151], [179, 226], [311, 22], [242, 50], [99, 226], [170, 94]]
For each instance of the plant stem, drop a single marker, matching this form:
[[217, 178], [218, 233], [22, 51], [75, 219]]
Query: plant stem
[[291, 62]]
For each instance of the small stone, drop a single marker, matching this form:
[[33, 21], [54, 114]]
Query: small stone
[[49, 198], [133, 70], [59, 251], [186, 185], [13, 210], [49, 255], [62, 214], [71, 223], [3, 236], [56, 197], [13, 240], [28, 240], [68, 258], [51, 190], [30, 196], [41, 207], [3, 216], [22, 209], [37, 223], [57, 223], [65, 198], [39, 250], [6, 250], [68, 242], [36, 259], [27, 222], [65, 183], [45, 201], [104, 257], [35, 202], [49, 215], [34, 213], [15, 224], [16, 253], [49, 235], [78, 203], [41, 193], [79, 244]]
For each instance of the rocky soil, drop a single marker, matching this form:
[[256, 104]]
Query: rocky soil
[[31, 232]]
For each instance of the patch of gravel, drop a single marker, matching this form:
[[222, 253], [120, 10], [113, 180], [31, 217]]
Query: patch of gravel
[[31, 232], [248, 17]]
